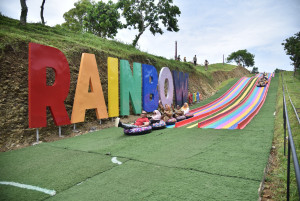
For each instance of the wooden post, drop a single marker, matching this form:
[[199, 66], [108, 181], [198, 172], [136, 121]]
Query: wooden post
[[175, 50], [223, 59]]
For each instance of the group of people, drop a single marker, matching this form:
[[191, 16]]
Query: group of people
[[205, 62], [263, 81], [194, 61], [167, 112], [164, 113], [179, 59]]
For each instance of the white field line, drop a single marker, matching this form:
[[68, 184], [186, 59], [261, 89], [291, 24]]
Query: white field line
[[35, 188], [114, 160]]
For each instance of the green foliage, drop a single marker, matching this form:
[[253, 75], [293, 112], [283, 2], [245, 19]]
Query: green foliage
[[145, 14], [277, 70], [254, 70], [75, 17], [103, 19], [70, 42], [243, 56], [292, 48]]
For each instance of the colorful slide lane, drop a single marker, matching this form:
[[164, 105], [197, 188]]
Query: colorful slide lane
[[229, 108], [240, 116], [231, 95]]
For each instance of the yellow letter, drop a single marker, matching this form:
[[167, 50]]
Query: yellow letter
[[113, 87]]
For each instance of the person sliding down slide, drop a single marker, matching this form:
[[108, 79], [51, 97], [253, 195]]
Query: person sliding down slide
[[185, 108], [140, 122], [156, 117]]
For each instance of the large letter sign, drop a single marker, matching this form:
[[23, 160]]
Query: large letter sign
[[181, 87], [89, 94], [88, 77], [149, 88], [113, 87], [165, 74], [130, 86], [41, 96]]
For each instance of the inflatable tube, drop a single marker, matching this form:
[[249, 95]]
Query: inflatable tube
[[180, 118], [159, 125], [138, 131], [188, 115], [171, 121]]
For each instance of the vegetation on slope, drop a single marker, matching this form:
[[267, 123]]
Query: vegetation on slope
[[67, 41], [277, 175]]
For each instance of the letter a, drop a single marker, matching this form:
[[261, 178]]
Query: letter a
[[88, 77]]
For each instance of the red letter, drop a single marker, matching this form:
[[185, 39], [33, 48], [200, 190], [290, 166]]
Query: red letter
[[39, 94]]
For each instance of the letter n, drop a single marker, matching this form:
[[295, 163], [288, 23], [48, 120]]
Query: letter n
[[130, 86]]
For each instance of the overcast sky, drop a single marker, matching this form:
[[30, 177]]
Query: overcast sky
[[208, 28]]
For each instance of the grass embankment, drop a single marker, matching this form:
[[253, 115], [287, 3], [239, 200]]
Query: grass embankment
[[277, 176], [169, 164], [68, 42]]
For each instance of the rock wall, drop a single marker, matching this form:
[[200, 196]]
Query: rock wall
[[14, 132]]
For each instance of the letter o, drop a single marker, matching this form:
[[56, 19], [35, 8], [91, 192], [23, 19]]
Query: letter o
[[164, 74]]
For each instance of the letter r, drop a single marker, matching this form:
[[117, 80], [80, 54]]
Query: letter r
[[41, 96]]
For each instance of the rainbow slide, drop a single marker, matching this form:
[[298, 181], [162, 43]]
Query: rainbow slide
[[226, 99], [241, 114], [235, 104]]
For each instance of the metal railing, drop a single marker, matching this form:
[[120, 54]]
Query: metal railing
[[291, 147]]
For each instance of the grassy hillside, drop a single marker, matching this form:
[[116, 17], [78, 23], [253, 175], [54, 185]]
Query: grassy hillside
[[68, 42]]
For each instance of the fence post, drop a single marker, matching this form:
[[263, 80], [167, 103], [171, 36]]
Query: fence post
[[284, 117]]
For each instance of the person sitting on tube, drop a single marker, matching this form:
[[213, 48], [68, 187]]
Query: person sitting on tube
[[185, 108], [140, 122]]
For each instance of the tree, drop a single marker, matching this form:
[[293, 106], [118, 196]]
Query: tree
[[102, 19], [254, 70], [75, 17], [24, 10], [242, 56], [292, 48], [277, 70], [143, 14], [42, 12]]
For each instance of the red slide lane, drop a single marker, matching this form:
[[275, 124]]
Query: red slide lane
[[216, 118], [190, 120]]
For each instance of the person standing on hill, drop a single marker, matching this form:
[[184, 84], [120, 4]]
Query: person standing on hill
[[206, 64], [178, 58], [184, 59], [195, 60]]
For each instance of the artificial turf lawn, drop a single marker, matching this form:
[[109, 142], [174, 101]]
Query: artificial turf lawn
[[47, 167], [169, 164], [141, 181]]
